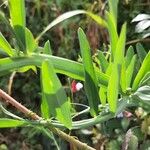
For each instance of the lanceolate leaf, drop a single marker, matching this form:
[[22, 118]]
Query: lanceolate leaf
[[17, 14], [91, 83], [141, 52], [10, 123], [145, 68], [47, 48], [64, 66], [59, 20], [112, 90], [103, 95], [31, 45], [70, 14], [129, 55], [55, 96], [4, 45], [112, 29], [129, 71], [113, 8], [123, 77], [119, 53], [103, 61], [97, 19]]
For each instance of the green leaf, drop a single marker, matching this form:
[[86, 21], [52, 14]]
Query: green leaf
[[145, 80], [11, 30], [47, 48], [113, 7], [97, 19], [9, 123], [129, 71], [91, 83], [123, 78], [112, 29], [103, 62], [141, 52], [55, 96], [112, 90], [31, 44], [119, 53], [17, 14], [59, 19], [143, 93], [64, 66], [5, 46], [103, 95], [129, 55], [145, 68]]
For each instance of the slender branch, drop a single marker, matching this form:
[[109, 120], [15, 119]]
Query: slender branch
[[34, 116], [11, 79], [138, 40]]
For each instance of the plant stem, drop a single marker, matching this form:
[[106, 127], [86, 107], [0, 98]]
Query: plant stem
[[34, 116]]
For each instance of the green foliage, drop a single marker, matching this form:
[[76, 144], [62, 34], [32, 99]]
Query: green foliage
[[53, 93], [91, 83], [9, 123], [105, 81]]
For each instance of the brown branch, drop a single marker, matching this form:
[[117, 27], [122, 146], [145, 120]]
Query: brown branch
[[11, 79], [34, 116], [138, 40]]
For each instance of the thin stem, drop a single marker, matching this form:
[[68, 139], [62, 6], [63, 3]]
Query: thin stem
[[34, 116], [138, 40]]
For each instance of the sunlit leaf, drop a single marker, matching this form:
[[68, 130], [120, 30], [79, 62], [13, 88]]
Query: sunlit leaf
[[55, 96], [5, 46], [119, 53], [112, 90], [10, 123], [141, 17], [47, 48], [145, 68], [91, 83], [103, 61], [103, 95], [112, 29], [59, 19], [31, 44], [17, 14]]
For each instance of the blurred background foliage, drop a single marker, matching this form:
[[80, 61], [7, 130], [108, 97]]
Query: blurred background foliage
[[64, 43]]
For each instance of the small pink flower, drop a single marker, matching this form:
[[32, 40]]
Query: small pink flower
[[127, 114], [76, 86]]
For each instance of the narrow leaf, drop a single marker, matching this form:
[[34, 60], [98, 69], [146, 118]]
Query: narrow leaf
[[112, 29], [55, 96], [119, 53], [141, 52], [17, 14], [31, 44], [129, 55], [91, 83], [145, 68], [112, 90], [129, 71], [103, 62], [47, 48], [97, 19], [103, 95], [10, 123], [113, 7], [123, 77], [59, 19], [5, 46]]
